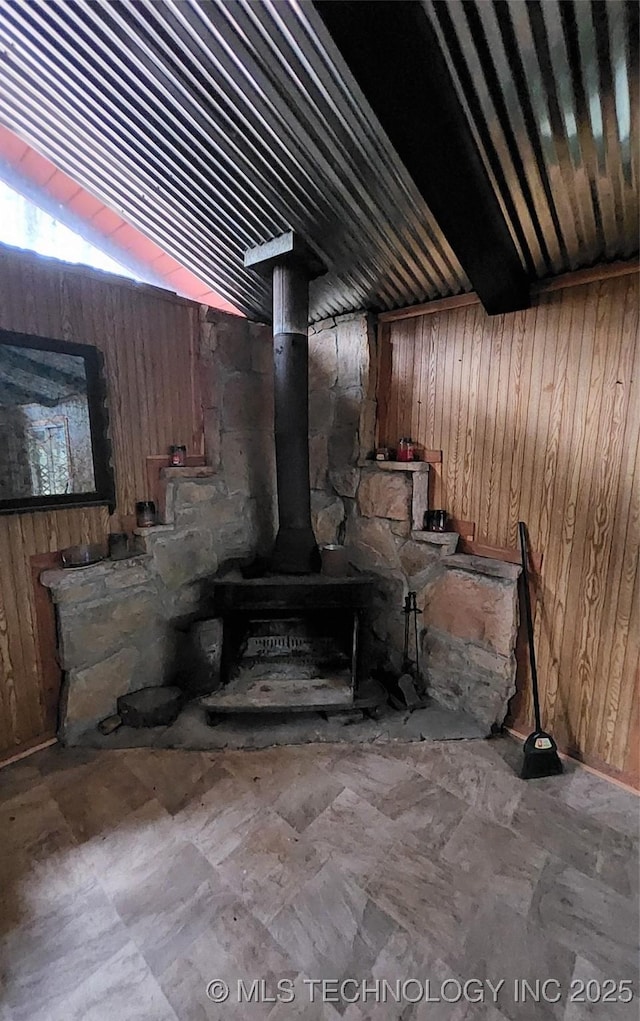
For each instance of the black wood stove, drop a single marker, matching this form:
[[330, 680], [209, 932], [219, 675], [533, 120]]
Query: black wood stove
[[290, 643], [291, 640]]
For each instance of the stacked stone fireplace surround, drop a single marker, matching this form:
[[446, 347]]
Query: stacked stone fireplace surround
[[128, 624]]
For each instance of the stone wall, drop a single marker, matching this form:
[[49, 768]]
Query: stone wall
[[470, 629], [342, 410], [121, 624], [236, 362], [468, 621]]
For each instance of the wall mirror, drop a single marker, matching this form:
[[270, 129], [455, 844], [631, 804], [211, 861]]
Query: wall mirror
[[54, 447]]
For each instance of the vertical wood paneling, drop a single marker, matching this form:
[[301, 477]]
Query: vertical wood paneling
[[149, 341], [538, 417]]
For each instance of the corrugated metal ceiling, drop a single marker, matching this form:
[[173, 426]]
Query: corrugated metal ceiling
[[551, 92], [214, 126]]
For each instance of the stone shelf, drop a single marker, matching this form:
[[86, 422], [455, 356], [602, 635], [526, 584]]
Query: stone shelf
[[484, 565], [396, 466], [153, 530], [82, 584], [448, 541], [438, 538], [194, 471]]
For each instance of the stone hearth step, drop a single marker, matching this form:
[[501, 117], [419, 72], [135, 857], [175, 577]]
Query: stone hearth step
[[277, 692], [290, 694]]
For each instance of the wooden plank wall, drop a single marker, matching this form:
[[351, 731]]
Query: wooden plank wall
[[149, 339], [538, 417]]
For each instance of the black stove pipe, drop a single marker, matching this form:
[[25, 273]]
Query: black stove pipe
[[292, 265], [295, 550]]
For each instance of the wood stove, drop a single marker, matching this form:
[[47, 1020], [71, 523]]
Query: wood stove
[[292, 639], [289, 643]]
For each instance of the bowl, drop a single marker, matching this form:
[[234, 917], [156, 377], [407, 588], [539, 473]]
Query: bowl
[[83, 555]]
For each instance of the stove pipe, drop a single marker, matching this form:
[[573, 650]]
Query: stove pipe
[[292, 266]]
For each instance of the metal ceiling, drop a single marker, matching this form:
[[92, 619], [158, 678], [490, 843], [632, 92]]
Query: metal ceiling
[[214, 126], [551, 93]]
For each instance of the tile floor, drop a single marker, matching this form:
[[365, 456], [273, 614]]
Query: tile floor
[[130, 880]]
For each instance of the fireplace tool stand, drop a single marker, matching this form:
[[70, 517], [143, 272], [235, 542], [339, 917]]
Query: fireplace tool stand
[[409, 693], [410, 609]]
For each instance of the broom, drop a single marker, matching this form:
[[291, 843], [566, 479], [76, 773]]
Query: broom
[[540, 750]]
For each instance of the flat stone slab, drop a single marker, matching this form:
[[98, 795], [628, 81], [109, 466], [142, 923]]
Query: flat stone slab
[[448, 541], [150, 707], [65, 579], [484, 565], [395, 466], [199, 471], [382, 496]]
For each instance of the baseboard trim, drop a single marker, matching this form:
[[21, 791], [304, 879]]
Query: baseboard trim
[[26, 750], [612, 777]]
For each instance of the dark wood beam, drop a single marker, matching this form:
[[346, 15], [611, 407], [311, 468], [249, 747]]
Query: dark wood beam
[[392, 51]]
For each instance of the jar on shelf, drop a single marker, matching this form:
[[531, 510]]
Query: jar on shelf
[[406, 449], [178, 456], [435, 521], [145, 513]]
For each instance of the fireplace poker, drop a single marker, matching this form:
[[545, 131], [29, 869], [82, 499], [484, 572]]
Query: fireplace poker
[[411, 609], [416, 611]]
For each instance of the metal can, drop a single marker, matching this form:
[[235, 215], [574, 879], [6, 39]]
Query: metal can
[[145, 513]]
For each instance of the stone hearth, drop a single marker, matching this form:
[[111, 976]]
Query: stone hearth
[[136, 623]]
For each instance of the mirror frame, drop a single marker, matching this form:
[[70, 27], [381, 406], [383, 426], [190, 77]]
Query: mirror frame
[[104, 492]]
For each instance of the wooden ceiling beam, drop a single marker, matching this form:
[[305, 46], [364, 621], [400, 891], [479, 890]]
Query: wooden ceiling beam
[[393, 53]]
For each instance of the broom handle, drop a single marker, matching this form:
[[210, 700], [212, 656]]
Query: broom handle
[[527, 609]]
